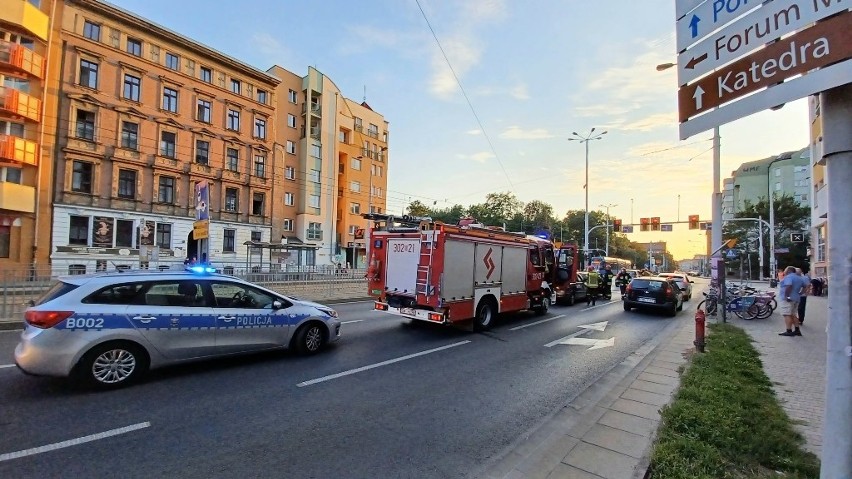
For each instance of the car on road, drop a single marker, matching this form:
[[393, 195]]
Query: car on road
[[683, 282], [107, 329], [654, 292]]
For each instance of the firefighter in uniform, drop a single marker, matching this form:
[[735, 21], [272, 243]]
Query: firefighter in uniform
[[592, 286], [622, 280]]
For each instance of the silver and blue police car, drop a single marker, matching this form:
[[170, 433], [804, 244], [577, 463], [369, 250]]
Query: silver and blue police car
[[108, 329]]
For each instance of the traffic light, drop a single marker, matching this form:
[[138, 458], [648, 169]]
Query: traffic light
[[655, 223], [693, 222], [616, 225], [643, 224]]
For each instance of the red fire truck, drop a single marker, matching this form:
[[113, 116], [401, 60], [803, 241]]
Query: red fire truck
[[565, 280], [450, 274]]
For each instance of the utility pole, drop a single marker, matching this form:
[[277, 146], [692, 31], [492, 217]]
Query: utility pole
[[607, 206], [836, 105]]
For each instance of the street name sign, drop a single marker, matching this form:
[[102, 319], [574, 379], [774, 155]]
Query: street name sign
[[707, 17], [627, 229], [797, 237], [682, 7], [770, 22], [666, 227]]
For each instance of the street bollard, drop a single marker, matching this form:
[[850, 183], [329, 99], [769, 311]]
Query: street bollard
[[699, 330]]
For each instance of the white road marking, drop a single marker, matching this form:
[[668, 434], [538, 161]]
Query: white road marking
[[596, 326], [600, 305], [373, 366], [4, 366], [354, 302], [10, 330], [594, 343], [535, 323], [73, 442], [353, 321]]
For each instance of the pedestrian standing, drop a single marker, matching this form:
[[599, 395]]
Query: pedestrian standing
[[788, 291], [804, 292]]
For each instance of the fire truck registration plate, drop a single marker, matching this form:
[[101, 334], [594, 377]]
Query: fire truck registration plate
[[407, 311]]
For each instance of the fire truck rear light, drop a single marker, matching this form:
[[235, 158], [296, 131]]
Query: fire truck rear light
[[381, 307], [436, 317]]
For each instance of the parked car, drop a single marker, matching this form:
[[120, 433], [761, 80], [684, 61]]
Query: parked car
[[654, 292], [109, 328], [683, 282]]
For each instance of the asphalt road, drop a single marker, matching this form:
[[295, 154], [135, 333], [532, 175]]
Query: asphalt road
[[391, 399]]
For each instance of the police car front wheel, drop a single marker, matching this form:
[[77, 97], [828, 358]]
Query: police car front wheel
[[113, 365], [309, 338]]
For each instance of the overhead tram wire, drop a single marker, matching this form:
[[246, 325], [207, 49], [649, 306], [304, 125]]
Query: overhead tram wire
[[464, 94]]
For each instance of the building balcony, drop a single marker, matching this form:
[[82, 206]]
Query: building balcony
[[21, 59], [18, 150], [15, 197], [24, 14], [19, 104], [316, 109]]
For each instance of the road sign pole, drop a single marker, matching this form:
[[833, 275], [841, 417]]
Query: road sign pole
[[836, 107]]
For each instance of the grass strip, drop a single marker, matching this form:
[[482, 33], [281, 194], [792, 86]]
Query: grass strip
[[725, 421]]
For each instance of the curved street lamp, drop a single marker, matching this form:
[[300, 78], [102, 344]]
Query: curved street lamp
[[586, 139]]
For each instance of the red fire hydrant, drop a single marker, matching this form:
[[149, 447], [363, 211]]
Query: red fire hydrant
[[699, 330]]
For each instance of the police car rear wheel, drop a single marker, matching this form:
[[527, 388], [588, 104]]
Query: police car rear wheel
[[310, 338], [113, 365]]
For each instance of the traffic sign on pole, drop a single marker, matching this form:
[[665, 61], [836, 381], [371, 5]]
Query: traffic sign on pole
[[666, 227], [709, 16]]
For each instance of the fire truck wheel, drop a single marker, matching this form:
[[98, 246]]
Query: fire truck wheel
[[570, 299], [484, 315], [541, 310]]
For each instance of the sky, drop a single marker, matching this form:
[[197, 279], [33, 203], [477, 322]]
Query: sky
[[524, 76]]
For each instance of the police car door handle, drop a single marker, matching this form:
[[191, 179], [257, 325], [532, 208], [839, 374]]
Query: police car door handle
[[227, 318], [144, 319]]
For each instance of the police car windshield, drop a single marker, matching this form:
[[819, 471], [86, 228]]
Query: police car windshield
[[59, 289]]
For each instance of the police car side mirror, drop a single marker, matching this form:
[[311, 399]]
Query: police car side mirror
[[277, 304]]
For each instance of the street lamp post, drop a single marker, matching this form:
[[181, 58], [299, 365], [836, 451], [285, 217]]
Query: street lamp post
[[586, 139]]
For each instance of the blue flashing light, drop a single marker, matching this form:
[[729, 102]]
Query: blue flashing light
[[201, 269]]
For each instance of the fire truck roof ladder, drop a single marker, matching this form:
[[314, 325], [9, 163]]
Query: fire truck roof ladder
[[424, 266], [400, 224]]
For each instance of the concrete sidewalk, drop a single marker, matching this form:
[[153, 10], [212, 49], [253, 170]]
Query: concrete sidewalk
[[609, 429]]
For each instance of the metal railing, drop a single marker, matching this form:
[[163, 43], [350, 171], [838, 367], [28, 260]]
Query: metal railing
[[316, 283]]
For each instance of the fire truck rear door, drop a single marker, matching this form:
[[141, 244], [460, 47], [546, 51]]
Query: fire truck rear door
[[401, 269]]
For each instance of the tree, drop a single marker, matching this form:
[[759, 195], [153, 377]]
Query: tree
[[538, 214], [498, 208], [449, 215], [417, 208]]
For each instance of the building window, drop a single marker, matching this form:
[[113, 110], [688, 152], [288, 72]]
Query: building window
[[229, 241], [231, 199], [124, 233], [233, 159], [166, 192], [5, 241], [92, 31], [356, 164], [257, 204], [289, 199], [314, 176], [314, 201], [355, 186], [164, 235], [202, 152], [172, 61], [260, 166], [78, 231], [131, 87], [206, 75], [167, 144], [289, 173], [127, 184], [88, 74], [287, 225], [315, 231], [170, 99], [81, 177], [233, 120], [352, 230], [316, 151], [257, 236], [86, 125], [355, 208], [291, 147], [134, 47], [260, 128], [778, 186], [236, 86], [11, 175], [203, 111], [261, 96], [291, 120], [292, 96]]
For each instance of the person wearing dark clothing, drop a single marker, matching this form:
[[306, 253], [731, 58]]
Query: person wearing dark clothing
[[622, 280], [606, 282]]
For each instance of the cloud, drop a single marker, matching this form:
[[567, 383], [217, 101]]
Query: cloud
[[516, 133], [520, 92], [481, 157], [270, 48], [484, 11], [463, 54], [652, 122], [474, 132]]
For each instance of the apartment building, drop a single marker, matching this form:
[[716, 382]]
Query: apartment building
[[819, 182], [145, 117], [784, 174], [28, 41]]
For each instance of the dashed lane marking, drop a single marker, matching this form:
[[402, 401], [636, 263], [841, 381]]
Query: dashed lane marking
[[73, 442]]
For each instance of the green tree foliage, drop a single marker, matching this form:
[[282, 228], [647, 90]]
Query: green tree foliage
[[417, 208]]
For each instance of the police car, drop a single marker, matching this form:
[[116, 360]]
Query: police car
[[108, 329]]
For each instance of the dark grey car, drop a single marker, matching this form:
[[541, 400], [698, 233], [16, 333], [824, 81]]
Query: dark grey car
[[653, 292]]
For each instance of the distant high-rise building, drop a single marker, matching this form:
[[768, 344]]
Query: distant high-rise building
[[784, 174]]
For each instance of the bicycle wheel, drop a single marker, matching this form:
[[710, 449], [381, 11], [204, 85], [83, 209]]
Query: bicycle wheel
[[711, 307]]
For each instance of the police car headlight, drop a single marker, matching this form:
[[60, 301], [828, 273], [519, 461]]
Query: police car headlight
[[329, 312]]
